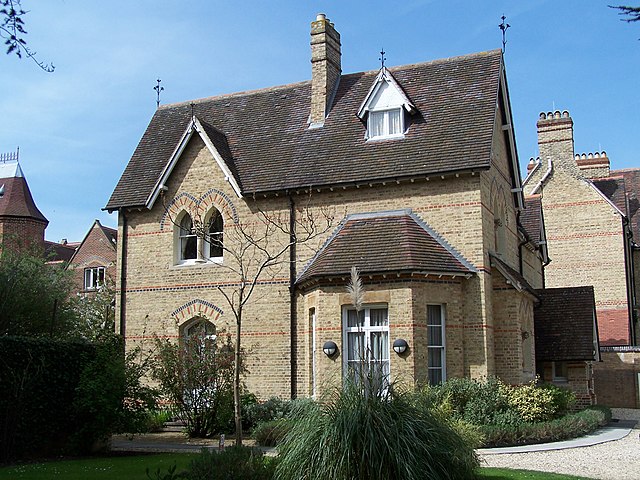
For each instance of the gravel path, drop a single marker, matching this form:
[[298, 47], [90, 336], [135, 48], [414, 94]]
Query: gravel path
[[617, 460]]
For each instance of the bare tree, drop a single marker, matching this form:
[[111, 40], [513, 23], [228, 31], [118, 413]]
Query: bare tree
[[632, 13], [12, 32], [255, 252]]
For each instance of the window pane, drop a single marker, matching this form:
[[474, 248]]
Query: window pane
[[355, 320], [376, 124], [379, 345], [434, 315], [378, 317], [355, 346], [435, 357], [394, 122], [435, 377], [434, 336]]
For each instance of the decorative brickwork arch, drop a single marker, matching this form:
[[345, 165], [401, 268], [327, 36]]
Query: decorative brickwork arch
[[197, 308], [219, 200], [182, 202]]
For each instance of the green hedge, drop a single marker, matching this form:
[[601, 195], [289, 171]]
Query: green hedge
[[57, 396]]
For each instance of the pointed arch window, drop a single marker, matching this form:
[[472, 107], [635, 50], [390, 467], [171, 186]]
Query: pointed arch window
[[187, 240], [213, 245]]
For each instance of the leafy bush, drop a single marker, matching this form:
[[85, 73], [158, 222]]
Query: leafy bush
[[539, 404], [260, 412], [241, 463], [61, 396], [197, 378], [374, 434], [570, 426], [271, 433]]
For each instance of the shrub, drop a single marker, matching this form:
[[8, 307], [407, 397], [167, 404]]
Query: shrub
[[569, 426], [373, 434], [197, 378], [539, 403], [271, 433], [260, 412], [241, 463]]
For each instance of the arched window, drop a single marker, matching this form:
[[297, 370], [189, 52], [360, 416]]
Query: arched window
[[213, 242], [199, 334], [188, 242]]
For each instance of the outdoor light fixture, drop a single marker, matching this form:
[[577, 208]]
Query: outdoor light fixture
[[330, 348], [400, 346]]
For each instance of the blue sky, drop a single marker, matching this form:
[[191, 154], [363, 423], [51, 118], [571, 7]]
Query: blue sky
[[77, 127]]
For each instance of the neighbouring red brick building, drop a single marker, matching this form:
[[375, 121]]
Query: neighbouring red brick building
[[94, 260]]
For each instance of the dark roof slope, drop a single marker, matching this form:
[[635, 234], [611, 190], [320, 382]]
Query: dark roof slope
[[264, 137], [58, 252], [565, 324], [383, 242], [613, 188], [631, 178], [531, 216], [16, 200]]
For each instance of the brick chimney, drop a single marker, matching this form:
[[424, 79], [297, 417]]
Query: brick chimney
[[555, 140], [325, 68]]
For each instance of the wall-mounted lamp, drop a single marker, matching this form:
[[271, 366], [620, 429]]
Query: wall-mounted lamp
[[400, 346], [329, 348]]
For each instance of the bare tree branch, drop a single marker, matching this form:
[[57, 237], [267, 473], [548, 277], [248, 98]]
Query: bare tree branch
[[12, 32]]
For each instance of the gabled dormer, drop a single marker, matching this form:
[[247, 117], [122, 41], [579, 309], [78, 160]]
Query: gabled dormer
[[385, 107]]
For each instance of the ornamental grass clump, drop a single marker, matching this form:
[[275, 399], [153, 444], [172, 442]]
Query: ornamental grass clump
[[372, 432]]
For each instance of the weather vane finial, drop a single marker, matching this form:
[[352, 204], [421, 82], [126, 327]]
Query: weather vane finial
[[504, 26], [382, 57], [158, 89]]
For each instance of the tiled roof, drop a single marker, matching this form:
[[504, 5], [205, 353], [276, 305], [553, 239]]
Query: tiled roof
[[110, 233], [565, 324], [384, 242], [58, 252], [16, 199], [613, 187], [531, 216], [632, 189], [264, 138]]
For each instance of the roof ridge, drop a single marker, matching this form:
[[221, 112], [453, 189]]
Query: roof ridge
[[275, 88]]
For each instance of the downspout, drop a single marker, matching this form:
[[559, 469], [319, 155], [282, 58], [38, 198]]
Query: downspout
[[123, 274], [629, 278], [292, 298], [520, 245]]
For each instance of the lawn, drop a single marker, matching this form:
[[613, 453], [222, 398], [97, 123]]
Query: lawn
[[134, 468], [103, 468]]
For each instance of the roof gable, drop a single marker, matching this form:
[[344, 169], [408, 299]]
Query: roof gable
[[97, 233], [268, 146], [385, 93], [384, 242]]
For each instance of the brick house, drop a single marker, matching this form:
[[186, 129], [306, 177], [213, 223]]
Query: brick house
[[592, 225], [420, 163], [94, 259]]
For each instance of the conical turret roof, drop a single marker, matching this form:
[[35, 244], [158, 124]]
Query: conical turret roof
[[15, 196]]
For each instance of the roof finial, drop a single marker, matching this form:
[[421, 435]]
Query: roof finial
[[382, 57], [193, 115], [158, 89], [504, 26]]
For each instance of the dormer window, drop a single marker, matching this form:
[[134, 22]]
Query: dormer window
[[384, 108], [385, 123]]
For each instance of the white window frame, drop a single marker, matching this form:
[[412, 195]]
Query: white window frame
[[367, 330], [386, 134], [206, 254], [312, 326], [433, 347], [181, 238], [96, 276]]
